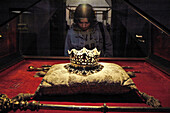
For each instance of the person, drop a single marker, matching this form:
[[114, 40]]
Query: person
[[86, 32]]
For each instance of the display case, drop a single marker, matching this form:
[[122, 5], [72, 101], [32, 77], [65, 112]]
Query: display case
[[35, 36]]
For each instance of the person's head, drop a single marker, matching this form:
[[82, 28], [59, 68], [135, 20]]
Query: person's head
[[84, 16]]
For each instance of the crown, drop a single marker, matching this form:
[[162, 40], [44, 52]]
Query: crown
[[84, 61], [84, 57]]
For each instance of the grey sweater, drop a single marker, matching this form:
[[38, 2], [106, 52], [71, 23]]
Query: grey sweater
[[77, 39]]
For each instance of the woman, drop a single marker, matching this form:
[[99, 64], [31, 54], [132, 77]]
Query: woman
[[86, 32]]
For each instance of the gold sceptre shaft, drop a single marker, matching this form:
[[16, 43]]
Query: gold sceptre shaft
[[7, 104]]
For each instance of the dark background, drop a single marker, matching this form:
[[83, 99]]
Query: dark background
[[47, 31]]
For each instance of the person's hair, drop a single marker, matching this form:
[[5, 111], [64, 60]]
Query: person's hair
[[84, 11]]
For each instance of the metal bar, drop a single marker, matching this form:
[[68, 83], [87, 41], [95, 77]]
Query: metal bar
[[70, 107], [138, 109], [7, 104], [103, 108]]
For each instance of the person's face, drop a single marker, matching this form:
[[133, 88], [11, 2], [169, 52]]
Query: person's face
[[84, 24]]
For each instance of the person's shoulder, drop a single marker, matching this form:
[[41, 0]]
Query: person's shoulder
[[71, 32]]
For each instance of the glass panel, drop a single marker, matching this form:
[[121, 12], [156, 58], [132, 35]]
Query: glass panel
[[8, 39], [9, 6], [42, 29], [161, 44]]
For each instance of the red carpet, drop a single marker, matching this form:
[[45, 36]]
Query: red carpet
[[17, 79]]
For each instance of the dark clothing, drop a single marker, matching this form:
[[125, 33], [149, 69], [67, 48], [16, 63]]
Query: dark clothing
[[77, 39]]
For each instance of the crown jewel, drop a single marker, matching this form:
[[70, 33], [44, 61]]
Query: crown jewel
[[84, 62], [84, 57]]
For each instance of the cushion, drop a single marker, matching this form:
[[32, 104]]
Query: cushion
[[112, 79]]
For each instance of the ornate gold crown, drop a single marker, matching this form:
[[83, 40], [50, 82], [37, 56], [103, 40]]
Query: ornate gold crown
[[84, 62], [84, 57]]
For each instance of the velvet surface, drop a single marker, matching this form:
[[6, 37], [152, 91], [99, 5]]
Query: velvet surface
[[152, 81]]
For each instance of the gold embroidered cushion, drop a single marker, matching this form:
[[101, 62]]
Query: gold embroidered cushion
[[112, 79]]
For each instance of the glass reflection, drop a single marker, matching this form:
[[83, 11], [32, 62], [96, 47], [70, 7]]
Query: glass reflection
[[42, 29]]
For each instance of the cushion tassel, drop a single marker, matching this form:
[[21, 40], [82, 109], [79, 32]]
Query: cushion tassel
[[150, 100]]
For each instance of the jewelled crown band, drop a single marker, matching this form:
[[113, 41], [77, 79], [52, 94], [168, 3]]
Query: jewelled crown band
[[84, 62], [84, 57]]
